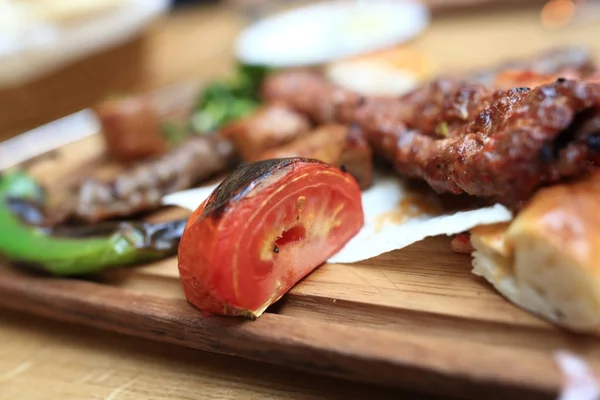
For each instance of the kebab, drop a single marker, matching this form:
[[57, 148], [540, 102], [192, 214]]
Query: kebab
[[141, 187], [464, 137], [269, 126], [166, 153]]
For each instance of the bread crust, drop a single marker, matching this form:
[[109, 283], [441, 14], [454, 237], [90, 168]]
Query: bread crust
[[547, 260]]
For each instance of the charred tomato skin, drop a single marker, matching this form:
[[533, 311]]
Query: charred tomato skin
[[268, 225]]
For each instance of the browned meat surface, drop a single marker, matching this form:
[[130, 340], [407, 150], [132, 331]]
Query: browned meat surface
[[271, 126], [446, 101], [521, 141], [310, 94], [437, 108], [335, 144], [382, 123], [464, 137], [142, 187], [131, 128], [323, 102]]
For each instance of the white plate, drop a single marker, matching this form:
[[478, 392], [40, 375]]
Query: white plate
[[31, 48], [331, 30]]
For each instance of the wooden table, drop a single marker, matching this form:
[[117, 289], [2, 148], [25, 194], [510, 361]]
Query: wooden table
[[41, 359]]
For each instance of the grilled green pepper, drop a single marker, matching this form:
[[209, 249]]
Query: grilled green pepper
[[73, 250]]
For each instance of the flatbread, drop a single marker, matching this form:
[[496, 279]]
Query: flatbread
[[547, 260]]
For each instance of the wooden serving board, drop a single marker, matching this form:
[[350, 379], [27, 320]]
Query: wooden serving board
[[415, 318]]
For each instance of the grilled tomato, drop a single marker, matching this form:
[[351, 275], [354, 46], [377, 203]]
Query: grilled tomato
[[265, 227]]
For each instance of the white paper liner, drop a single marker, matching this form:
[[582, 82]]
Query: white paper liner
[[380, 234], [189, 199]]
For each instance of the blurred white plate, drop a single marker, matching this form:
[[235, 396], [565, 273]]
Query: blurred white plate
[[331, 30], [31, 47]]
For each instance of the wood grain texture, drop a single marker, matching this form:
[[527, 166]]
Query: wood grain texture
[[42, 359], [427, 364]]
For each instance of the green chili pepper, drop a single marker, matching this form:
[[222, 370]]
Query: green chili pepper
[[74, 250]]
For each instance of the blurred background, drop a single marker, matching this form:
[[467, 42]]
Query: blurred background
[[61, 56]]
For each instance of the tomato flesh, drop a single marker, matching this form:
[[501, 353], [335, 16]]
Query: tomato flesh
[[243, 259]]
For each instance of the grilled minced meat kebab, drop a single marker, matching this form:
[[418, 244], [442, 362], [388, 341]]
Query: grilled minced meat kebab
[[271, 131], [142, 187], [458, 134], [463, 137]]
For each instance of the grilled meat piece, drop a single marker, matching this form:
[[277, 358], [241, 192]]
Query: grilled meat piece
[[271, 126], [498, 144], [437, 108], [142, 187], [441, 101], [323, 102], [310, 94], [334, 144], [523, 140], [131, 127]]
